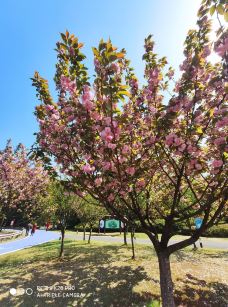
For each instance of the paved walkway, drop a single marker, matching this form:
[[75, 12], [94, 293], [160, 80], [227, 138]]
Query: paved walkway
[[40, 236], [215, 243]]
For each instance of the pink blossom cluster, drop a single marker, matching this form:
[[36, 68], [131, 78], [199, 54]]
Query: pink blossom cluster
[[21, 180], [87, 98], [113, 147], [67, 84], [221, 48]]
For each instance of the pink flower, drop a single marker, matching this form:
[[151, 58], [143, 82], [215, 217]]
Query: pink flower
[[111, 197], [106, 134], [41, 122], [88, 105], [115, 67], [49, 107], [55, 116], [98, 181], [67, 85], [206, 51], [198, 166], [95, 115], [170, 73], [169, 140], [106, 166], [87, 98], [130, 171], [222, 123], [53, 148], [220, 141], [126, 149], [70, 118], [153, 73], [222, 47], [88, 169], [151, 140], [184, 65], [190, 149], [217, 163], [68, 109], [198, 119], [71, 51], [182, 147], [194, 164], [178, 141], [141, 183], [107, 120], [122, 159], [96, 64], [213, 183], [153, 110], [111, 146]]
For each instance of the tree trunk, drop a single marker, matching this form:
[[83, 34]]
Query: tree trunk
[[90, 233], [132, 243], [125, 235], [84, 233], [166, 284], [62, 241]]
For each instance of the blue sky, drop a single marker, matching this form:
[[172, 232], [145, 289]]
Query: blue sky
[[30, 29]]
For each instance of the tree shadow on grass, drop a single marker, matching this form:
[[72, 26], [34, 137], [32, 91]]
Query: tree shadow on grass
[[216, 254], [90, 270], [192, 255], [194, 293]]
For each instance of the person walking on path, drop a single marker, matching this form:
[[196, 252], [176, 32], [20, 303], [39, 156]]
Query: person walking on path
[[27, 228], [33, 229], [47, 226], [12, 223]]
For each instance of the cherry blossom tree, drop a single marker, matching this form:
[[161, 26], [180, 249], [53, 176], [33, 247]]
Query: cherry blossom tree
[[22, 181], [144, 156]]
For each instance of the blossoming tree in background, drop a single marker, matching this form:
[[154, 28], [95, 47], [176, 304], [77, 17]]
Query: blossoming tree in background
[[141, 155], [21, 183]]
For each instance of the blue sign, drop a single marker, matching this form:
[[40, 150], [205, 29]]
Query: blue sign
[[198, 222]]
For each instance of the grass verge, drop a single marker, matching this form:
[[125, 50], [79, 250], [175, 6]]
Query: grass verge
[[104, 275]]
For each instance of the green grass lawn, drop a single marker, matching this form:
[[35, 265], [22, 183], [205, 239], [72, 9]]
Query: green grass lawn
[[105, 275]]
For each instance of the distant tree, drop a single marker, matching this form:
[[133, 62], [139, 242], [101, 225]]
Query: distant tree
[[89, 213], [22, 182], [60, 205]]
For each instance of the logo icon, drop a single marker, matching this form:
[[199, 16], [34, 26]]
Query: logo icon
[[13, 291], [29, 291]]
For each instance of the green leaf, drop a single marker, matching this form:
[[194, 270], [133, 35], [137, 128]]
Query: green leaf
[[125, 93], [211, 112], [226, 16], [220, 9], [225, 154], [95, 51], [199, 130], [112, 57], [63, 37], [154, 303], [120, 55], [124, 87], [212, 10]]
